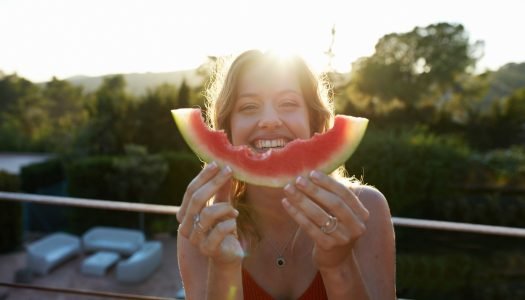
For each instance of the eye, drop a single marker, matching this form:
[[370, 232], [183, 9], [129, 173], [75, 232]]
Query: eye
[[288, 102], [248, 107]]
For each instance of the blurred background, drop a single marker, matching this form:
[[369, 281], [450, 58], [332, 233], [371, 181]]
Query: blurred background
[[86, 88]]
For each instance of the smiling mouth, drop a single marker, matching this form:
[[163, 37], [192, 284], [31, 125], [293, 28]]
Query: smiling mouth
[[265, 145]]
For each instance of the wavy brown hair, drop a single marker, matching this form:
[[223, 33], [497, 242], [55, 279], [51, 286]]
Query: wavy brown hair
[[221, 95]]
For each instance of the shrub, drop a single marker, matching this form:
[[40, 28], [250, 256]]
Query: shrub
[[135, 177], [42, 174], [10, 215], [415, 169]]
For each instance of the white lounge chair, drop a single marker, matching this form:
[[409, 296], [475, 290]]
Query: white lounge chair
[[123, 241], [141, 264], [50, 251], [98, 263]]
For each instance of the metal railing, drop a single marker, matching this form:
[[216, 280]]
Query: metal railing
[[172, 210]]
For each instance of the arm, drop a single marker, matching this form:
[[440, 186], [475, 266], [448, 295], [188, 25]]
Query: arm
[[222, 282], [356, 256], [375, 250], [193, 268], [209, 252], [345, 281], [369, 272]]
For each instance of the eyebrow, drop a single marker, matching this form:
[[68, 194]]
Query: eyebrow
[[288, 91], [251, 95], [255, 95]]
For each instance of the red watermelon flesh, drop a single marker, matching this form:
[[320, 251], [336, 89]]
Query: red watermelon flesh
[[275, 167]]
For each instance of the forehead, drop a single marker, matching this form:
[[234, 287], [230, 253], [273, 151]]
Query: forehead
[[268, 77]]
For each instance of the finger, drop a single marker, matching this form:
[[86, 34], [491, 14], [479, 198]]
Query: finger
[[201, 196], [308, 207], [206, 174], [224, 193], [342, 191], [325, 241], [210, 246], [330, 201], [216, 213]]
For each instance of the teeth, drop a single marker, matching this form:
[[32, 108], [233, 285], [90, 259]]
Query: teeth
[[259, 144]]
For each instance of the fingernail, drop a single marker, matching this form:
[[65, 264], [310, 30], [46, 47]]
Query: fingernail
[[212, 166], [236, 212], [285, 202], [300, 181], [289, 188], [227, 170], [314, 174]]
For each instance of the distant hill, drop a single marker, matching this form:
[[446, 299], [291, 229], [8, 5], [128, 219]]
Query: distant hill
[[138, 83], [505, 81]]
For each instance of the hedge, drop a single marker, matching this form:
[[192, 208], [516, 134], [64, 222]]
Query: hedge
[[10, 215], [135, 177], [42, 174]]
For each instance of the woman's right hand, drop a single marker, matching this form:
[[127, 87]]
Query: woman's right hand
[[211, 228]]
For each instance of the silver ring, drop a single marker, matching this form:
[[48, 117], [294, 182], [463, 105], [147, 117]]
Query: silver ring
[[330, 225], [197, 223]]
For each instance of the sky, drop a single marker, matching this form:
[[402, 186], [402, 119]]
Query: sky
[[64, 38]]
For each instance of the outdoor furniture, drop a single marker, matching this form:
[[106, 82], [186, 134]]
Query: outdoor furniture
[[98, 263], [123, 241], [50, 251], [141, 264]]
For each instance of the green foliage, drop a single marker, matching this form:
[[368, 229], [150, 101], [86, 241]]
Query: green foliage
[[134, 177], [154, 124], [414, 65], [423, 275], [501, 167], [41, 174], [184, 95], [183, 167], [10, 215], [461, 276], [89, 178], [67, 113], [137, 175], [414, 168], [109, 127]]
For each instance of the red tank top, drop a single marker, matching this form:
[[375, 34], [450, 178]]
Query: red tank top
[[252, 291]]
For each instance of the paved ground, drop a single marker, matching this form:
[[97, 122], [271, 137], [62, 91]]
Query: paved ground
[[165, 282]]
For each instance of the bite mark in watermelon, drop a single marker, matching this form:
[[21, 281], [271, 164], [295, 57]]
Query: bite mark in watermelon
[[279, 166]]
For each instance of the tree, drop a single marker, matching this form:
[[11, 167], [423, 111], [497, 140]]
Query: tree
[[24, 120], [67, 112], [184, 95], [155, 126], [110, 126], [415, 66]]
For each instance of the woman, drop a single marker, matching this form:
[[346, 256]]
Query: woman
[[320, 237]]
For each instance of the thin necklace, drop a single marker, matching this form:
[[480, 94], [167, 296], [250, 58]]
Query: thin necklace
[[280, 261]]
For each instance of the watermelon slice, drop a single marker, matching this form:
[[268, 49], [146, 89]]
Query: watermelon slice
[[275, 167]]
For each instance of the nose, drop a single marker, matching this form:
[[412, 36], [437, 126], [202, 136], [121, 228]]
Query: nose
[[270, 119]]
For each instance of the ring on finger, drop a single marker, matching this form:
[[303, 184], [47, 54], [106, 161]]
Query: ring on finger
[[197, 223], [330, 225]]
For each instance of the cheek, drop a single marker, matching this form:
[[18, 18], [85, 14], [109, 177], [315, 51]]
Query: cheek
[[238, 131], [300, 124]]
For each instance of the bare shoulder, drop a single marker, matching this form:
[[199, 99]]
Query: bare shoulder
[[373, 200]]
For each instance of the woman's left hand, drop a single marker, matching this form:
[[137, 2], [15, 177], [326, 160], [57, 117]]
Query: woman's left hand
[[330, 213]]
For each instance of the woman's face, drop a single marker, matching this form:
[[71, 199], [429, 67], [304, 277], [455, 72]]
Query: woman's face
[[269, 110]]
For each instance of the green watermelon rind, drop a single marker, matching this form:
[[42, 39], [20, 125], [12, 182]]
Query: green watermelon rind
[[354, 132]]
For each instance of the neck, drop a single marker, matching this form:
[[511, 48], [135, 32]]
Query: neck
[[272, 219], [279, 232]]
